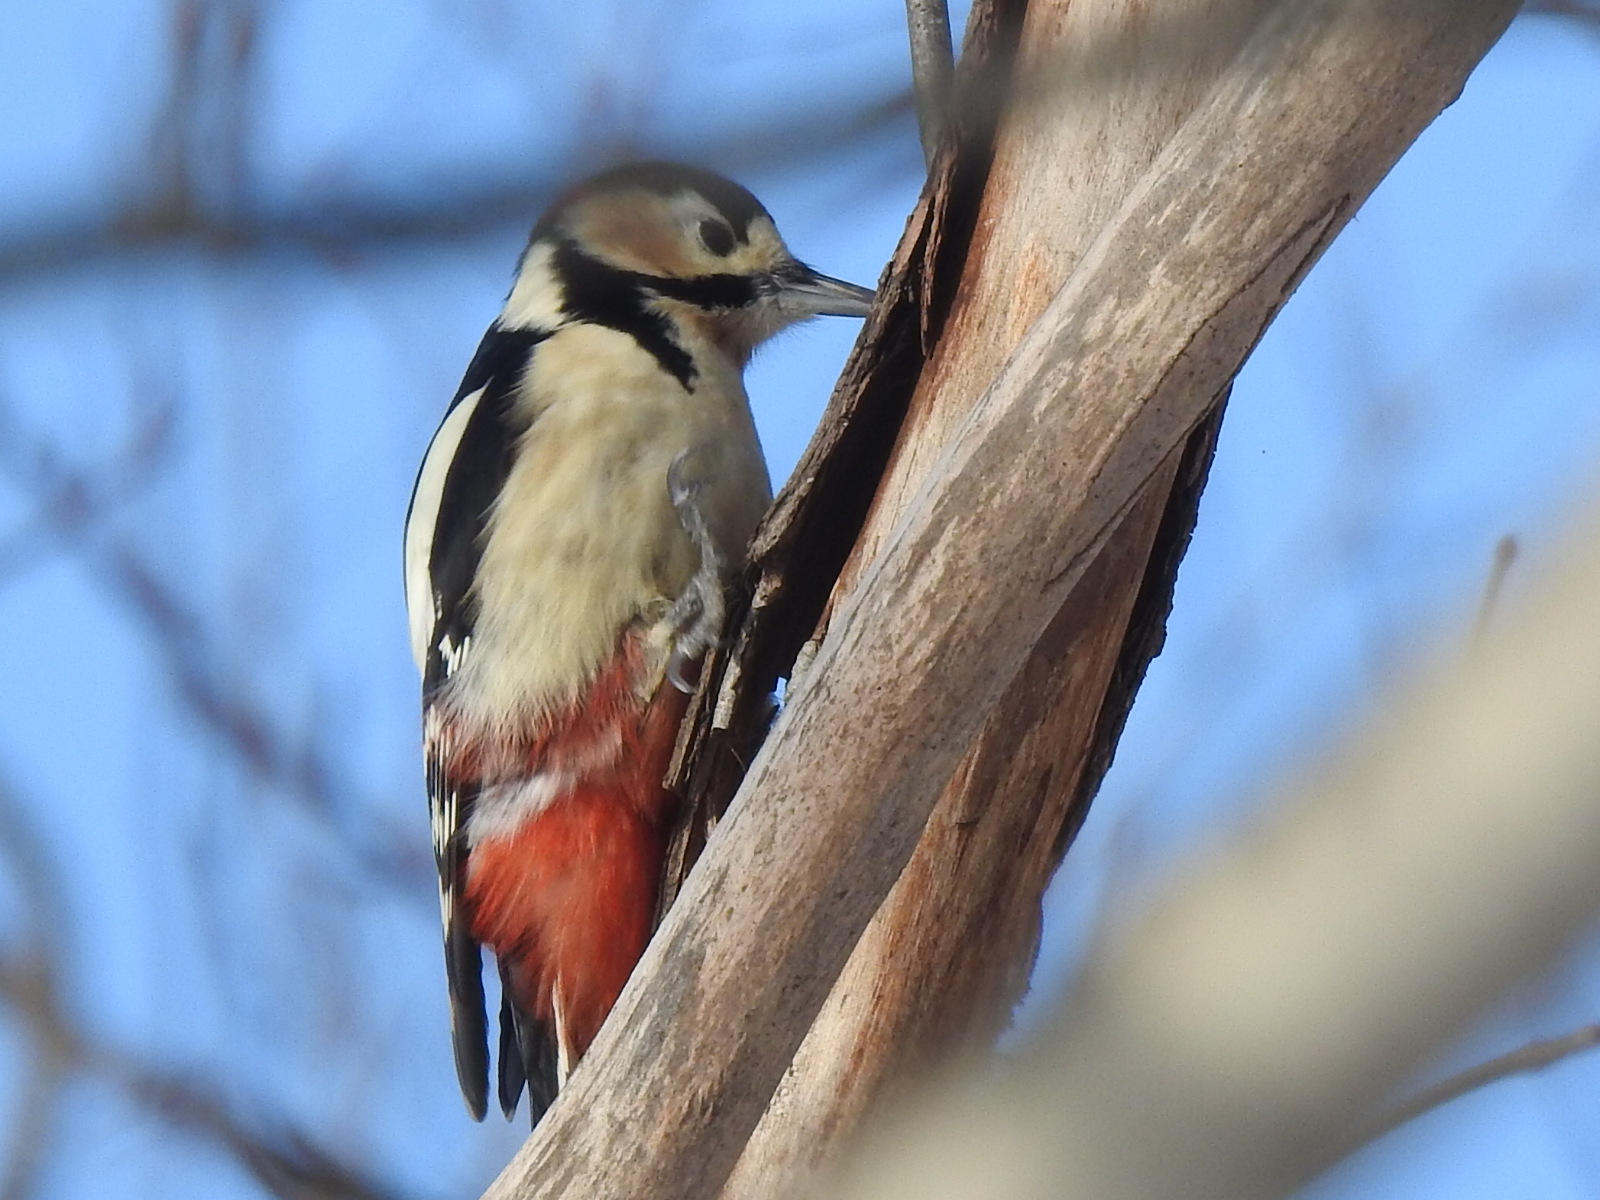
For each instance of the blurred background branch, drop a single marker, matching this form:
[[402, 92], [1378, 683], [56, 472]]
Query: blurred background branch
[[34, 985], [1232, 1040], [1582, 11]]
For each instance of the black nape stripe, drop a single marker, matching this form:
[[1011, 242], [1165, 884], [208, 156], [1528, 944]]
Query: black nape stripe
[[605, 295]]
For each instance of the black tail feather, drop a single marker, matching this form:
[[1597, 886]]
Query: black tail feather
[[513, 1072], [468, 1027], [527, 1056]]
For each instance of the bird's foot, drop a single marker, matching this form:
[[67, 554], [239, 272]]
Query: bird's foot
[[697, 615]]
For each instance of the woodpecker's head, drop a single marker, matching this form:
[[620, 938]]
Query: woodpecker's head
[[664, 243]]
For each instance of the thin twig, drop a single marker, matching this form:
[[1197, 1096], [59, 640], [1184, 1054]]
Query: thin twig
[[343, 226], [1505, 554], [72, 502], [933, 67], [1535, 1056], [286, 1161], [32, 868], [1584, 11]]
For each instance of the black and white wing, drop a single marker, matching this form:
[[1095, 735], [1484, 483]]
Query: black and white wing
[[462, 474]]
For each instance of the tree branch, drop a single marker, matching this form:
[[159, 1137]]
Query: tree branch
[[932, 69], [1584, 11], [945, 960], [1108, 385], [1535, 1056], [71, 503], [282, 1158], [342, 226], [1232, 1040]]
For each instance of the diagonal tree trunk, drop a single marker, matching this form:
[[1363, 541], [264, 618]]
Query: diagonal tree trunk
[[948, 956], [1015, 568]]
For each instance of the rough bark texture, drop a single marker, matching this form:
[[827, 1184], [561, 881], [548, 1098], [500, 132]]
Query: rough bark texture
[[1008, 523], [949, 955], [814, 524]]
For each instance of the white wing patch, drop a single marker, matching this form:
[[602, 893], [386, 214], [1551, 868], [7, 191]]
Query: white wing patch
[[501, 809], [442, 802], [421, 605]]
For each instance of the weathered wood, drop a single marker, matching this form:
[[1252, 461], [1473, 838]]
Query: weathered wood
[[932, 70], [1069, 152], [1238, 1035], [807, 537], [1105, 388], [952, 933]]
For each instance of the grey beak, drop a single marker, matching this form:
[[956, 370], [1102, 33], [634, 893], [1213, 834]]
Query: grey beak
[[803, 292]]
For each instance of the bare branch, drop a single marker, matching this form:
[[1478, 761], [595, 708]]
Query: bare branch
[[305, 770], [1230, 1042], [1505, 555], [282, 1158], [71, 502], [340, 228], [946, 958], [932, 69], [286, 1161], [30, 864], [1584, 11], [1535, 1056], [33, 1135]]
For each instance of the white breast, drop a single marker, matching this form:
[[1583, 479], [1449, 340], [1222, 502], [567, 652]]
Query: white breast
[[584, 542]]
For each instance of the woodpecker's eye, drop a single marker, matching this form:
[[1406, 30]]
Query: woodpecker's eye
[[716, 237]]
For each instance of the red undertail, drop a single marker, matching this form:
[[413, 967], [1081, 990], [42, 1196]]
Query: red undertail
[[568, 898]]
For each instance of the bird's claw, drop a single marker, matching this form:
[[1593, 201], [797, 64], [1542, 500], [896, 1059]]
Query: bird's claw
[[697, 615]]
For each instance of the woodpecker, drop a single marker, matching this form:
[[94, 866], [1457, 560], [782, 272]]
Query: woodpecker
[[576, 520]]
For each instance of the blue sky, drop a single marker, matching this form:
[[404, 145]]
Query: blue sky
[[269, 928]]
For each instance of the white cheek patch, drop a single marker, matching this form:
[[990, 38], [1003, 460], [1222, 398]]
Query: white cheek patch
[[536, 296], [423, 516]]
